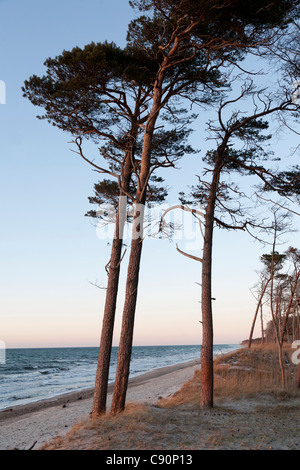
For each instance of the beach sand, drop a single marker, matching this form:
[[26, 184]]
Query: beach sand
[[163, 412], [34, 424]]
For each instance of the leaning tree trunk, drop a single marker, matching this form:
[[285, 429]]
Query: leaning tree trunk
[[262, 324], [102, 373], [126, 338], [125, 346], [259, 304]]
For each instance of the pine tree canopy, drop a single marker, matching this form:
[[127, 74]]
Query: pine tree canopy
[[209, 23]]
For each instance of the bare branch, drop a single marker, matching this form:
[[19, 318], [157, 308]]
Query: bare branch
[[121, 259], [184, 208], [78, 142], [277, 204], [188, 255], [97, 285]]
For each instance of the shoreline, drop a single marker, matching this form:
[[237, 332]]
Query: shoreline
[[87, 393], [38, 422]]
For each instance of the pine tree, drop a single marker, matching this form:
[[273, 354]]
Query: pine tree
[[175, 50], [241, 150], [100, 93]]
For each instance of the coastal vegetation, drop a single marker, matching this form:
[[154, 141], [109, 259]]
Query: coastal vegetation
[[137, 105], [252, 412]]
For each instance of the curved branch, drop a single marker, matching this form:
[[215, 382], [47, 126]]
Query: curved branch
[[99, 169], [188, 255], [183, 208]]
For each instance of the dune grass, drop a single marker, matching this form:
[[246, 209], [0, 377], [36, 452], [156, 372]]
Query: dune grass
[[241, 377], [243, 374]]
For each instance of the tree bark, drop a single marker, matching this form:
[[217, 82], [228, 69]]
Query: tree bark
[[126, 338], [102, 373], [125, 346], [207, 374], [207, 379]]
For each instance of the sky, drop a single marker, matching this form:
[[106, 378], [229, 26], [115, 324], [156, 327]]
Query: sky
[[51, 254]]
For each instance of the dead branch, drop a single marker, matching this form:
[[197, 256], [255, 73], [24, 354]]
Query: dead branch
[[97, 285], [188, 255], [277, 204]]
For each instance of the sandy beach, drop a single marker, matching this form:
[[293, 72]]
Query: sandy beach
[[251, 411], [34, 424]]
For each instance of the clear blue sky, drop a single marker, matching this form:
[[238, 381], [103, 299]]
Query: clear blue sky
[[50, 252]]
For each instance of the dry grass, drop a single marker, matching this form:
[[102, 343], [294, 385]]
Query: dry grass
[[255, 371], [251, 412], [243, 374], [140, 426]]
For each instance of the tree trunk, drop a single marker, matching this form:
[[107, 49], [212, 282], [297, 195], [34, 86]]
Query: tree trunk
[[281, 339], [102, 373], [207, 374], [126, 338], [282, 371], [256, 312], [262, 324], [288, 310], [125, 347], [207, 382]]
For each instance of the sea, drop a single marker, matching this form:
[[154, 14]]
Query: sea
[[30, 375]]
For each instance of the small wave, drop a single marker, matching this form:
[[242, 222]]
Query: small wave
[[41, 374], [54, 370], [20, 397]]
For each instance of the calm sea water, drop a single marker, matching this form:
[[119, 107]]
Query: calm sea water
[[29, 375]]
